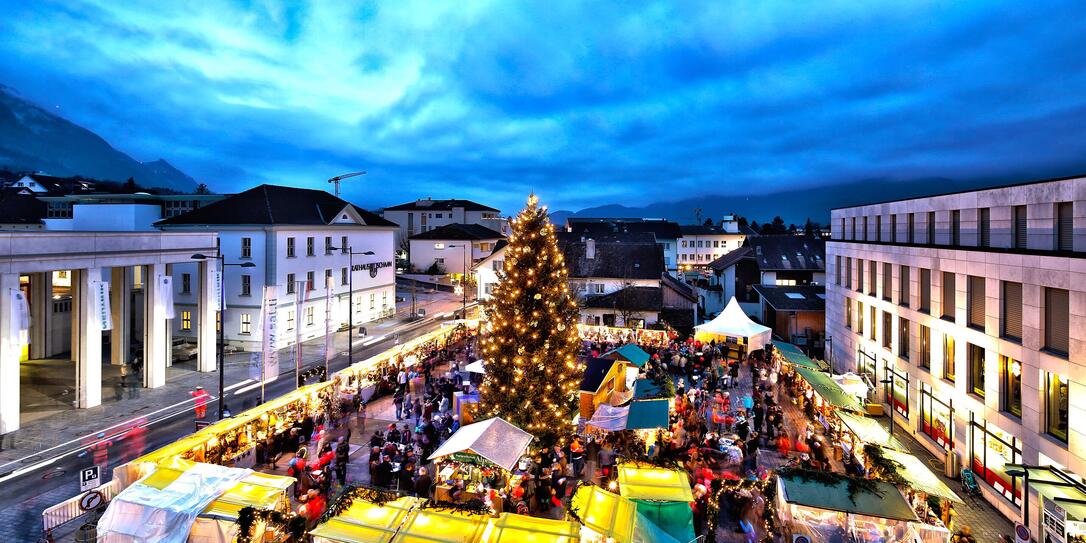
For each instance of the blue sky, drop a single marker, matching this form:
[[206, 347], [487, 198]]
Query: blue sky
[[584, 103]]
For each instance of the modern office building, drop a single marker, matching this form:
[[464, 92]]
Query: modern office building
[[968, 311]]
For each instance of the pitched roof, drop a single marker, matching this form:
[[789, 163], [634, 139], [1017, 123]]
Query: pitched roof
[[680, 288], [595, 370], [630, 299], [19, 208], [662, 229], [440, 205], [460, 231], [629, 352], [274, 204], [59, 185], [794, 297], [613, 259], [788, 252], [730, 258]]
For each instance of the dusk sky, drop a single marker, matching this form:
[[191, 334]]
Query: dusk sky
[[584, 103]]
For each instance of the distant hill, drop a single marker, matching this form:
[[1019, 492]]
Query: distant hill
[[33, 139]]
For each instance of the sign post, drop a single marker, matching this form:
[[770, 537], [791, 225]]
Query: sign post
[[90, 478]]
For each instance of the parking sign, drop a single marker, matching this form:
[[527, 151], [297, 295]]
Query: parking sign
[[90, 478]]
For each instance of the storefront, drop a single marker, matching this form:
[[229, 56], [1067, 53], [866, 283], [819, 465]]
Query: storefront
[[936, 418], [991, 451], [899, 388]]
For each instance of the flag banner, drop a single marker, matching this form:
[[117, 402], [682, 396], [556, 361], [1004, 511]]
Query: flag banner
[[164, 294], [328, 322], [216, 287], [19, 325], [271, 335], [100, 306]]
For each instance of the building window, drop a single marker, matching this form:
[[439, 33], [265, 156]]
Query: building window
[[290, 283], [910, 234], [1057, 314], [343, 276], [903, 293], [837, 270], [327, 245], [975, 355], [246, 247], [936, 418], [975, 293], [309, 249], [343, 248], [925, 347], [853, 229], [984, 218], [1011, 311], [900, 401], [684, 244], [848, 312], [887, 281], [887, 330], [872, 272], [186, 283], [842, 223], [373, 301], [903, 338], [498, 265], [878, 227], [848, 272], [874, 319], [186, 320], [246, 285], [290, 248], [1018, 228], [246, 323], [948, 296], [948, 358], [893, 228], [328, 278], [859, 317], [859, 275], [309, 316], [1011, 372], [1056, 395], [956, 227], [931, 228], [384, 300], [1065, 226], [310, 279], [866, 238], [290, 320], [992, 450], [925, 291]]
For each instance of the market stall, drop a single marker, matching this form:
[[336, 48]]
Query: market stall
[[793, 355], [635, 359], [859, 429], [647, 482], [644, 415], [365, 522], [733, 327], [510, 528], [829, 392], [478, 458], [218, 522], [603, 515], [611, 334]]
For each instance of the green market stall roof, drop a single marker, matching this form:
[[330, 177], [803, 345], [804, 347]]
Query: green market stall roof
[[494, 440], [645, 389], [793, 355], [1056, 485], [829, 389], [630, 353], [869, 430], [673, 518], [885, 501], [648, 414], [919, 476]]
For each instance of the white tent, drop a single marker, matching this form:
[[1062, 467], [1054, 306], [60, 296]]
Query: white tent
[[494, 439], [733, 322], [475, 367]]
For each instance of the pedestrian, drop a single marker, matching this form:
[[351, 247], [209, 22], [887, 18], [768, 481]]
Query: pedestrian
[[200, 405], [423, 482]]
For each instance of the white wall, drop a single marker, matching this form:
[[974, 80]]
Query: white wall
[[712, 247], [424, 252], [108, 218]]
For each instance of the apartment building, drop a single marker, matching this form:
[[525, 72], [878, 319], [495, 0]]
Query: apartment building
[[968, 311], [424, 215]]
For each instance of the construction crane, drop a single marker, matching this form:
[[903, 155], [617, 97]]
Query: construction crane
[[339, 178]]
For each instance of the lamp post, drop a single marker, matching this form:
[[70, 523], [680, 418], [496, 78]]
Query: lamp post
[[890, 381], [222, 320], [350, 299], [1022, 472], [464, 280]]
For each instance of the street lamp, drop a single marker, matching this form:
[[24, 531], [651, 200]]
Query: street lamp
[[1022, 472], [222, 321], [890, 381], [464, 280], [350, 303]]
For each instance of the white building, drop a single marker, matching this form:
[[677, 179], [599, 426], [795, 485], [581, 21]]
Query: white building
[[452, 248], [424, 215], [294, 238], [702, 244], [37, 183], [975, 304]]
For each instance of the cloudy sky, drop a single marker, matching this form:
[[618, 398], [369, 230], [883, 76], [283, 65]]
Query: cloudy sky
[[584, 103]]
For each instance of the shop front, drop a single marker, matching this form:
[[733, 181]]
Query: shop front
[[896, 394], [936, 418], [992, 450]]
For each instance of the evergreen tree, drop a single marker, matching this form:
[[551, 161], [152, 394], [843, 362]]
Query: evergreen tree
[[530, 338]]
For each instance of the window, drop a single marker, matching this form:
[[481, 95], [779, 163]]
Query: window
[[887, 281], [1065, 226], [327, 278], [1057, 314], [498, 265], [327, 245], [859, 275], [343, 248], [439, 246], [716, 244], [893, 228], [872, 276], [874, 319], [866, 238], [595, 288], [859, 317], [1056, 394], [948, 358], [936, 418], [186, 283], [384, 299], [842, 236], [991, 450], [925, 347], [925, 291], [246, 323], [848, 272], [931, 228], [887, 330], [246, 285], [976, 369], [1018, 228], [373, 300], [903, 293], [837, 270], [956, 227], [911, 232], [309, 316], [975, 293], [948, 296], [186, 320], [900, 389], [853, 229], [903, 338], [290, 248], [684, 244], [878, 227], [290, 283], [1011, 373], [246, 247], [290, 320], [309, 250], [310, 279], [848, 312], [343, 278], [439, 261], [984, 228], [1011, 311]]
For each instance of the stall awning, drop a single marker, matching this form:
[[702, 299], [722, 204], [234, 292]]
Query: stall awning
[[734, 322], [920, 476], [643, 482], [885, 502], [648, 415], [646, 388], [1058, 486], [365, 522], [868, 430], [793, 355], [434, 526], [630, 353], [605, 513], [828, 389], [510, 528], [494, 439], [676, 519]]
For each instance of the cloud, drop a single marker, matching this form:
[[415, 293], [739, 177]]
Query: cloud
[[583, 103]]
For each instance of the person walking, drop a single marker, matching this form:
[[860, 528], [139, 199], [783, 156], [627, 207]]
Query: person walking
[[343, 452], [200, 405]]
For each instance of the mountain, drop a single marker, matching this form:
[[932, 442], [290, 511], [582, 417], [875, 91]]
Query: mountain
[[33, 139]]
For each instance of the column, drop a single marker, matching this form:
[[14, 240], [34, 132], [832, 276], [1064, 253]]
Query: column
[[169, 327], [41, 309], [155, 345], [206, 302], [120, 296], [86, 338], [9, 359]]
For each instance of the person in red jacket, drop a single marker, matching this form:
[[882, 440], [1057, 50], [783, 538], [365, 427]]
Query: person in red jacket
[[201, 396]]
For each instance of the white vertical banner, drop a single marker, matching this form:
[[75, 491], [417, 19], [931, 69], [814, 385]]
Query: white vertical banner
[[19, 325], [328, 321], [100, 305], [164, 294], [216, 291], [270, 334]]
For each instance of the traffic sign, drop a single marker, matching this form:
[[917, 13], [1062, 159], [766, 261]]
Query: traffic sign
[[91, 500], [90, 478], [1021, 533]]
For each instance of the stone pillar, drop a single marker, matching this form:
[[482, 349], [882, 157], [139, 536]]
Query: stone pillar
[[120, 298], [9, 359], [156, 348], [169, 326], [86, 338], [206, 331], [41, 310]]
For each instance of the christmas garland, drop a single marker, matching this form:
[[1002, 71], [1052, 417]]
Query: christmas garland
[[882, 467], [571, 511], [292, 524], [311, 372], [829, 478], [346, 498], [471, 507]]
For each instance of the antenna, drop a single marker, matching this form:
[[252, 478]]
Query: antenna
[[339, 178]]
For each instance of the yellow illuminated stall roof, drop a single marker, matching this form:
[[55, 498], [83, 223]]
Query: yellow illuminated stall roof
[[605, 513], [365, 522], [510, 528], [433, 526], [642, 482], [919, 476]]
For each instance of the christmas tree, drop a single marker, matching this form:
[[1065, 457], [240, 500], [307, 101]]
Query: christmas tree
[[530, 338]]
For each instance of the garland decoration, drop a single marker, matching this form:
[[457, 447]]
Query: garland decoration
[[631, 448], [470, 507], [376, 496], [829, 478], [315, 371], [883, 467], [291, 523]]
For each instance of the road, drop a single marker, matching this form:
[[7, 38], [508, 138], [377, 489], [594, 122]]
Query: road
[[44, 482]]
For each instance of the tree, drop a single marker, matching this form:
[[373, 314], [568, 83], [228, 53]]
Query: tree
[[530, 336], [130, 185], [809, 228], [708, 222], [778, 226], [741, 221], [202, 189]]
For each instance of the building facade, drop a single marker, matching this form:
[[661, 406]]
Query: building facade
[[665, 233], [972, 306], [452, 248], [702, 244], [424, 215]]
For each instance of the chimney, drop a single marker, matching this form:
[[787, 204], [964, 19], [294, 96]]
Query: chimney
[[590, 249]]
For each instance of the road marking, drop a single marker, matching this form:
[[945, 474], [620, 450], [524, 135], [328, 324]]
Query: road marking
[[29, 469], [236, 385], [252, 386]]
